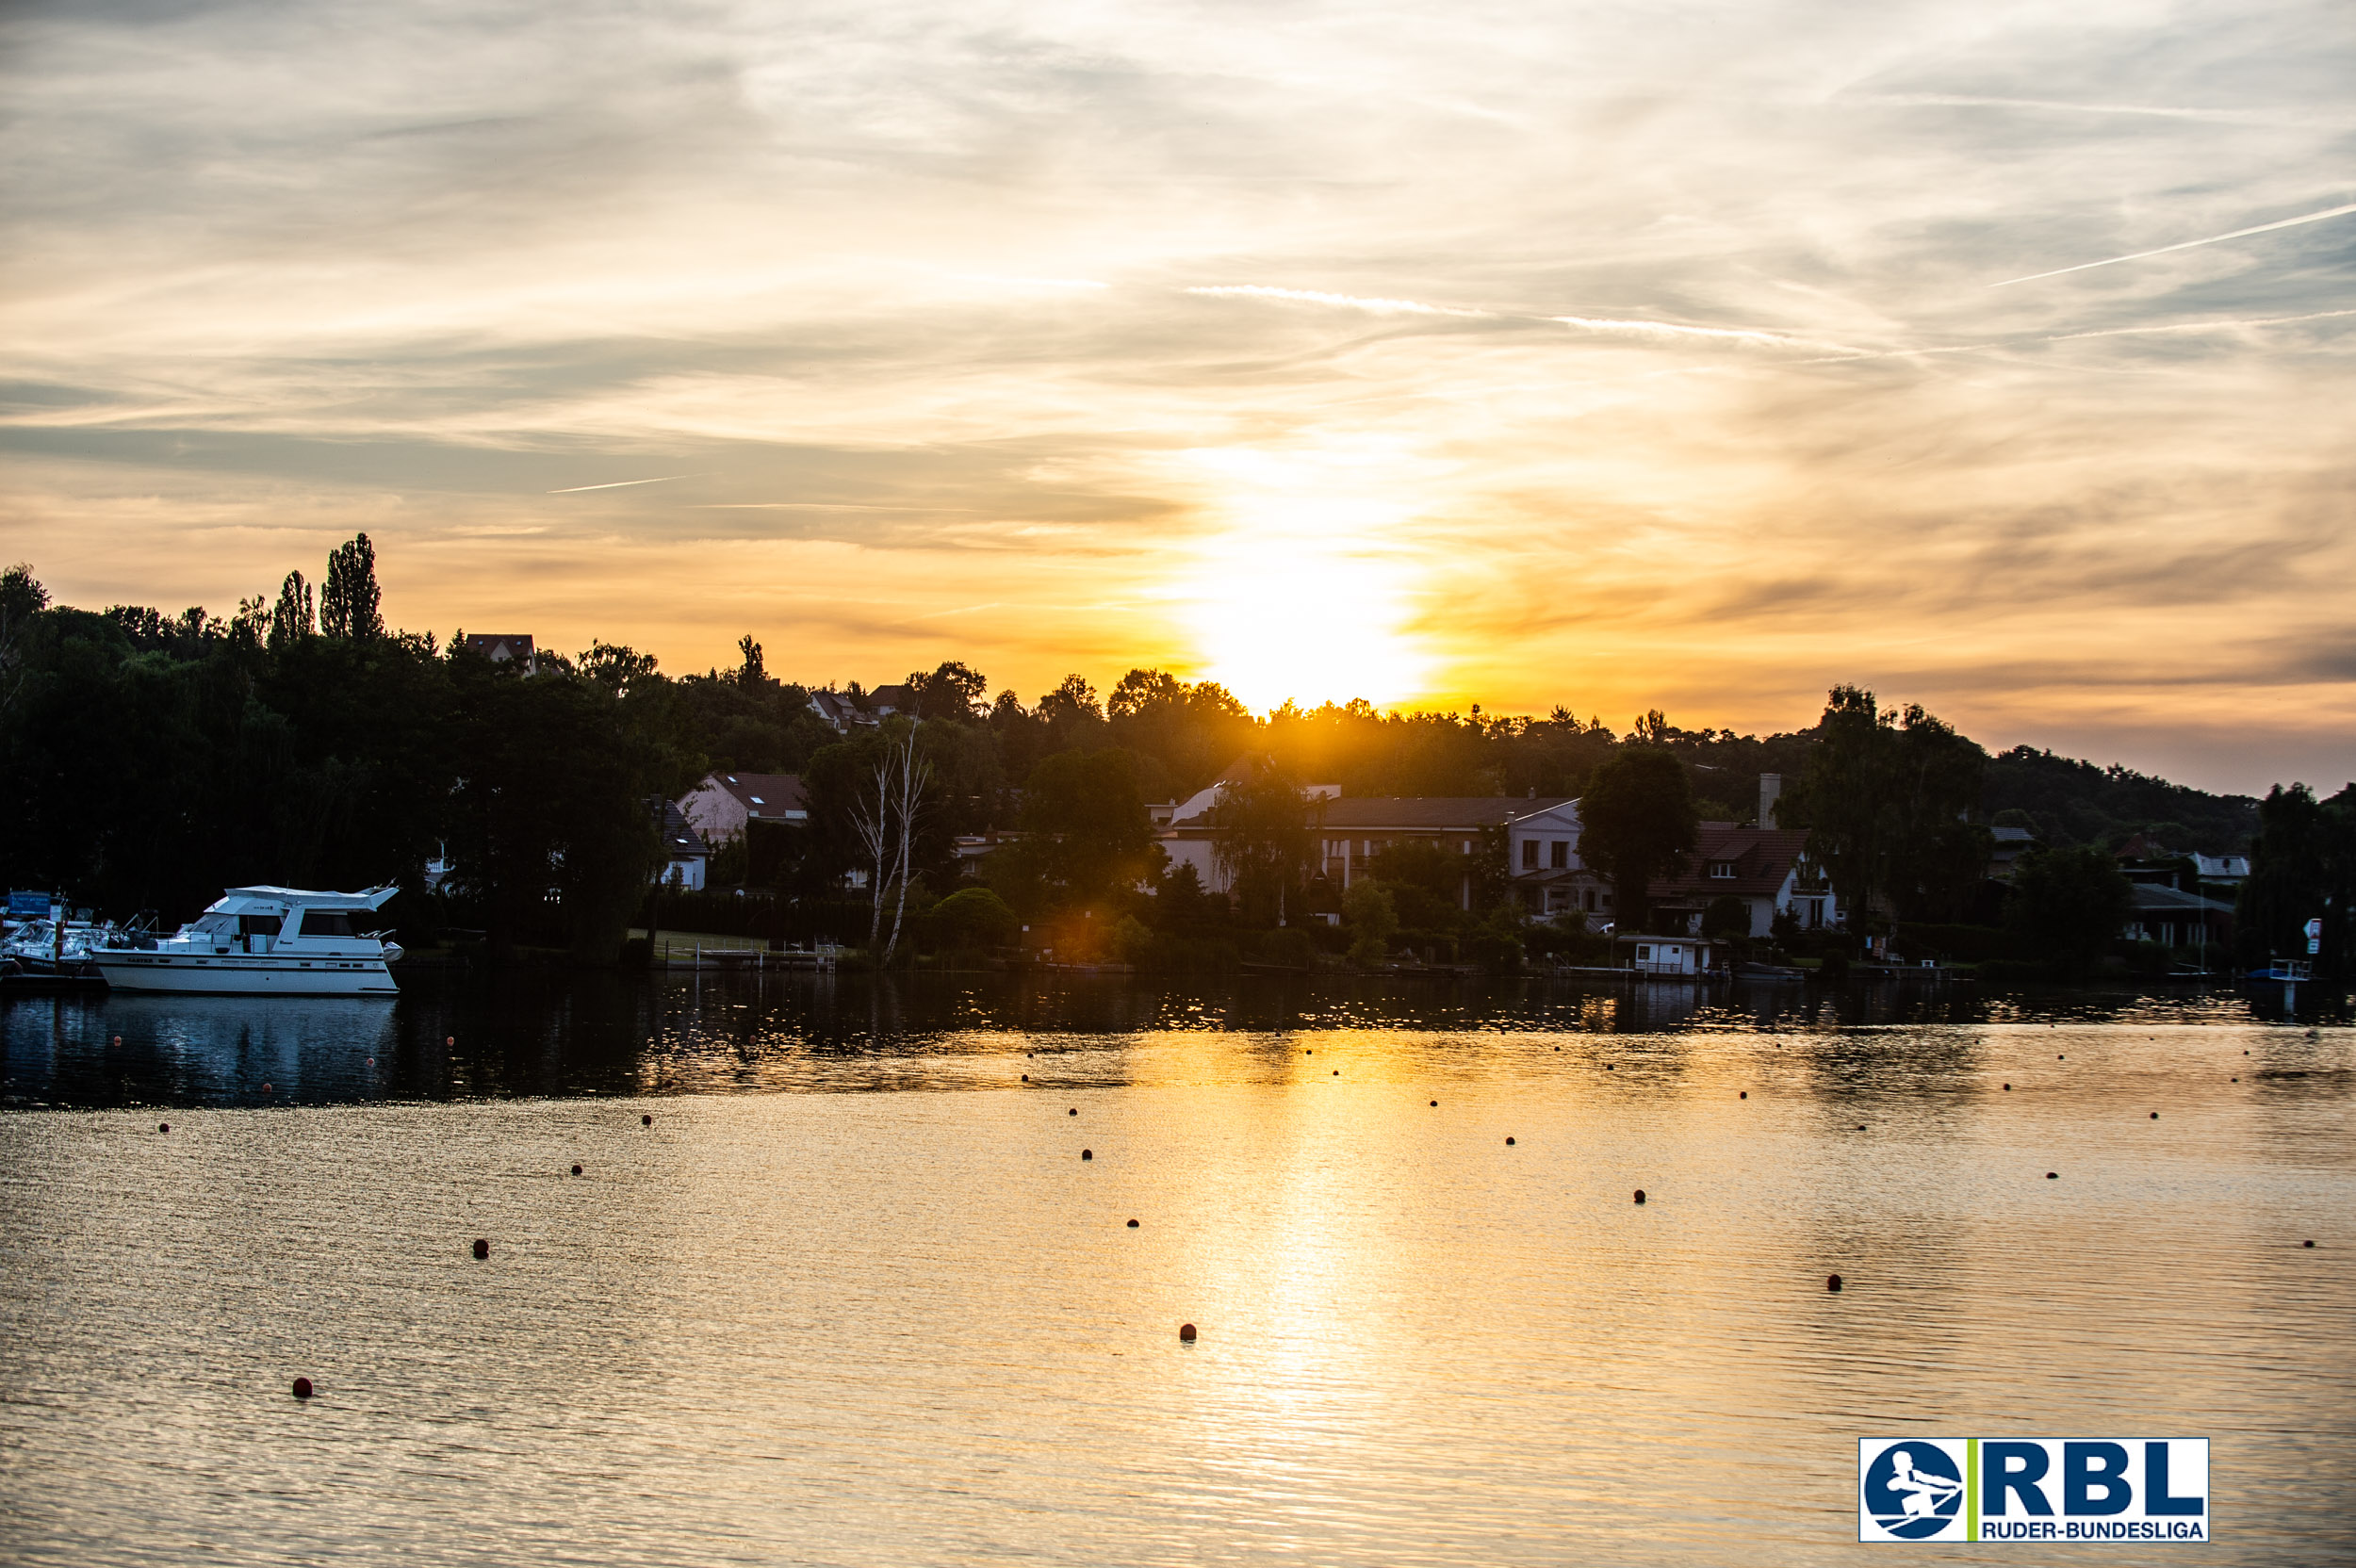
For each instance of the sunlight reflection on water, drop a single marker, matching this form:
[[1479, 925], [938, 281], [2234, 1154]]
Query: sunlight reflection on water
[[915, 1327]]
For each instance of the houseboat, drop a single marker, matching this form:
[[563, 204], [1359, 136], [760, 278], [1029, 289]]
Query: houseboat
[[265, 942]]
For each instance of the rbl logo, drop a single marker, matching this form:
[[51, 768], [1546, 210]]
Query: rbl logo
[[2033, 1488]]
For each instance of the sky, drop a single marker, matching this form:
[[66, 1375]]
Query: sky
[[1695, 358]]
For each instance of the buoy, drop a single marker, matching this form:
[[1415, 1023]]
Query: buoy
[[1611, 1066], [646, 1121], [2061, 1056], [575, 1171], [2007, 1088], [482, 1248], [264, 1088], [1832, 1282], [1435, 1103], [1133, 1224], [2155, 1115], [1088, 1154], [2052, 1175], [450, 1039], [1308, 1052], [1640, 1195], [1509, 1143], [2237, 1080], [1337, 1072], [163, 1126], [1074, 1111], [1744, 1095], [118, 1039], [1186, 1332], [302, 1385], [1860, 1126], [2306, 1244], [1026, 1077]]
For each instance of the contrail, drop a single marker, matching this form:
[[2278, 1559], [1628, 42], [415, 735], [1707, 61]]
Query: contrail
[[619, 484], [1723, 335], [2186, 245]]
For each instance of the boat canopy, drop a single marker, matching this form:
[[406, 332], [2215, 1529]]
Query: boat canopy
[[238, 901]]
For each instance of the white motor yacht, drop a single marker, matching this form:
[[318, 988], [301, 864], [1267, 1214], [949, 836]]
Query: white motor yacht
[[265, 941]]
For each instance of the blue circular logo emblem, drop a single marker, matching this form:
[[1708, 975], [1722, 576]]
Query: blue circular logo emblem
[[1912, 1490]]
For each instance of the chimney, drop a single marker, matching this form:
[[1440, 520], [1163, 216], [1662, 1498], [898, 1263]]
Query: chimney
[[1770, 790]]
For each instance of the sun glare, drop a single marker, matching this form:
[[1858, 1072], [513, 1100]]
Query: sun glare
[[1282, 620], [1304, 596]]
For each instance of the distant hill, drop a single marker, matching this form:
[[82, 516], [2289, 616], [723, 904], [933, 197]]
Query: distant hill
[[2071, 801]]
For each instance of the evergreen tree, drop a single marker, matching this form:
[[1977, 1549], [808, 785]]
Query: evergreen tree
[[351, 606]]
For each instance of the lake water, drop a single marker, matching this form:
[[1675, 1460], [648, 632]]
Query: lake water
[[855, 1297]]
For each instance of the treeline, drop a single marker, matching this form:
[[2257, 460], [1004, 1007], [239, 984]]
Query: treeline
[[148, 759]]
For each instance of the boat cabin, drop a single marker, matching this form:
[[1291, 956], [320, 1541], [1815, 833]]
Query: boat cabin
[[263, 919], [1670, 955]]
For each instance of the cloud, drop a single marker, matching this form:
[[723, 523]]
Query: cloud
[[1653, 348]]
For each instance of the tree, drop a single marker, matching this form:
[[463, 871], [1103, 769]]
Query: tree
[[1260, 834], [1886, 795], [1637, 821], [751, 674], [884, 814], [2302, 868], [973, 917], [291, 619], [953, 691], [1367, 909], [1087, 831], [2068, 905], [22, 597], [351, 606]]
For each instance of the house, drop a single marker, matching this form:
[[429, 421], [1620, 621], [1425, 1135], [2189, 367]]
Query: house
[[724, 803], [684, 852], [504, 649], [838, 712], [884, 701], [1669, 956], [2174, 917], [1766, 870], [1188, 833], [2004, 853]]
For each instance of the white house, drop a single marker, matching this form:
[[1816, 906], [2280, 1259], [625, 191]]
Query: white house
[[684, 852]]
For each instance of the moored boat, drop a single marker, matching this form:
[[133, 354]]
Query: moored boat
[[287, 942]]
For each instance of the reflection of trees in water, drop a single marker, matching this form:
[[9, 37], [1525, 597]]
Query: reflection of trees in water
[[558, 1033]]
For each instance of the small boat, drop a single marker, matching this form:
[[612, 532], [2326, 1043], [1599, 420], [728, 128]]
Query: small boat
[[1749, 970], [53, 952], [263, 941]]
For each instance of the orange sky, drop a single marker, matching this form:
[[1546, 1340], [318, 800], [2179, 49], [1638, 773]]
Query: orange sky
[[1685, 357]]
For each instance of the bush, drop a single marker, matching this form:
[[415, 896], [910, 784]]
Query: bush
[[1288, 948], [1369, 952], [970, 918]]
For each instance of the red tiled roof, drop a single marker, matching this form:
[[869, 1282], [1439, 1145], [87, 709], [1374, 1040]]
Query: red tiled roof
[[1761, 856], [765, 794]]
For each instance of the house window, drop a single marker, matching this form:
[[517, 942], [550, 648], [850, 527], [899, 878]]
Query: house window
[[1559, 853], [1591, 899], [1721, 870], [1529, 854], [1643, 955]]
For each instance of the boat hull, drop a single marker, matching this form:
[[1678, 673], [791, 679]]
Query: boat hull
[[244, 974]]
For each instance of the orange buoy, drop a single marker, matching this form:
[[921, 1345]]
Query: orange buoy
[[1088, 1154], [2155, 1115], [646, 1121], [1640, 1195], [1026, 1077], [482, 1248], [1074, 1111], [1133, 1224], [1435, 1104], [2052, 1175], [575, 1171], [1186, 1332], [1832, 1282], [1509, 1143], [2007, 1088], [1744, 1095], [163, 1126], [303, 1388]]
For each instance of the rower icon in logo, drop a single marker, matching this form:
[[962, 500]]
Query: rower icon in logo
[[1912, 1490]]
